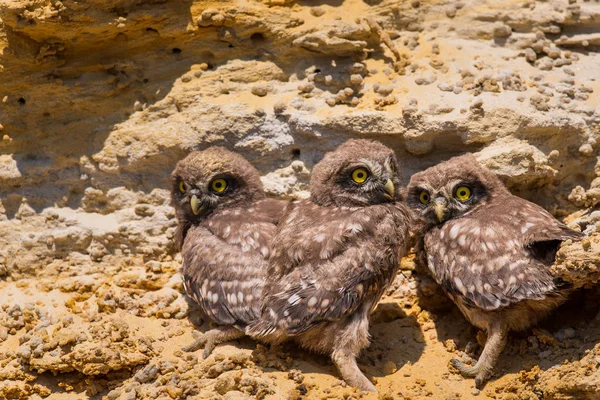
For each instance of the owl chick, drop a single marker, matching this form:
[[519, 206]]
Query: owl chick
[[335, 254], [224, 229], [489, 250]]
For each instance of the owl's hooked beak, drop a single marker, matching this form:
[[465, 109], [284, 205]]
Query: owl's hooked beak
[[440, 206], [390, 190], [196, 205]]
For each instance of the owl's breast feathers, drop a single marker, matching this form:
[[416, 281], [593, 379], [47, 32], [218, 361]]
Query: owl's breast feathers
[[497, 255], [326, 261], [224, 261]]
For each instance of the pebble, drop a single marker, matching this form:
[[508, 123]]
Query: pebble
[[279, 107], [306, 87], [260, 90], [426, 80], [356, 79], [586, 149], [445, 87], [502, 31]]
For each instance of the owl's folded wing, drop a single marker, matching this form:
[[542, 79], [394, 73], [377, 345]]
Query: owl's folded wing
[[510, 261], [226, 282], [543, 234], [331, 291]]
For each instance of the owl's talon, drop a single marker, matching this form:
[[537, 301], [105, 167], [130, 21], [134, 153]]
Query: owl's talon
[[200, 341], [208, 349], [479, 382], [463, 368]]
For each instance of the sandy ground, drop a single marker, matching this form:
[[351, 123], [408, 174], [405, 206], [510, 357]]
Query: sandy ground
[[118, 335]]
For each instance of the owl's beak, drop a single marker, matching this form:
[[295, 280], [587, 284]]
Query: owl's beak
[[196, 205], [440, 206], [390, 190]]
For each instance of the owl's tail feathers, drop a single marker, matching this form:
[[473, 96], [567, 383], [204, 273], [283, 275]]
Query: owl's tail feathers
[[261, 328]]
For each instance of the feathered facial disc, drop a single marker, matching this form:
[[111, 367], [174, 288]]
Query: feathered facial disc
[[451, 189], [357, 173], [212, 179]]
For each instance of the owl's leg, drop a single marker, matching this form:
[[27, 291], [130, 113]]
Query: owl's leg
[[349, 342], [209, 340], [497, 334]]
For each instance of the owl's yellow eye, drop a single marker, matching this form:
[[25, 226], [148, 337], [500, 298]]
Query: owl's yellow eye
[[424, 197], [360, 175], [218, 185], [181, 187], [393, 167], [463, 193]]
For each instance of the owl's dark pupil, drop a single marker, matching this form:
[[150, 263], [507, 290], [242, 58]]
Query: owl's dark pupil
[[360, 175], [463, 193], [218, 184], [426, 197]]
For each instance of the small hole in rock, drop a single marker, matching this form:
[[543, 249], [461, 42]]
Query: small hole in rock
[[257, 38], [231, 46], [317, 70], [151, 30], [176, 50], [145, 80], [295, 154], [21, 101], [209, 66]]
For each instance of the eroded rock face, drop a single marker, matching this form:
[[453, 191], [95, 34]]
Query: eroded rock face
[[100, 99]]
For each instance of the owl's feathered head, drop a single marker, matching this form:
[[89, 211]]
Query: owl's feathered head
[[358, 173], [209, 180], [452, 189]]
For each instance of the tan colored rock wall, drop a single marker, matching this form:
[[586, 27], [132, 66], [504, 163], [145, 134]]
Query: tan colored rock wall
[[99, 100]]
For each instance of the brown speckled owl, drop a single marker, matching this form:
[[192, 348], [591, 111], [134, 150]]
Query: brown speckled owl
[[335, 254], [225, 226], [489, 250]]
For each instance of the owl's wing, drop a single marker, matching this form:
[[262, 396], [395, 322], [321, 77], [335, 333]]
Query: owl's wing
[[543, 234], [334, 285], [490, 263], [223, 279]]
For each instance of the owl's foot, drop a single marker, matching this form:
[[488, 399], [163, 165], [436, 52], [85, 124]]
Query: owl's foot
[[209, 340], [480, 374], [198, 343], [346, 364], [482, 370]]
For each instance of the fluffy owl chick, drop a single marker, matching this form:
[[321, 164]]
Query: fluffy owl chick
[[335, 254], [224, 229], [489, 250]]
